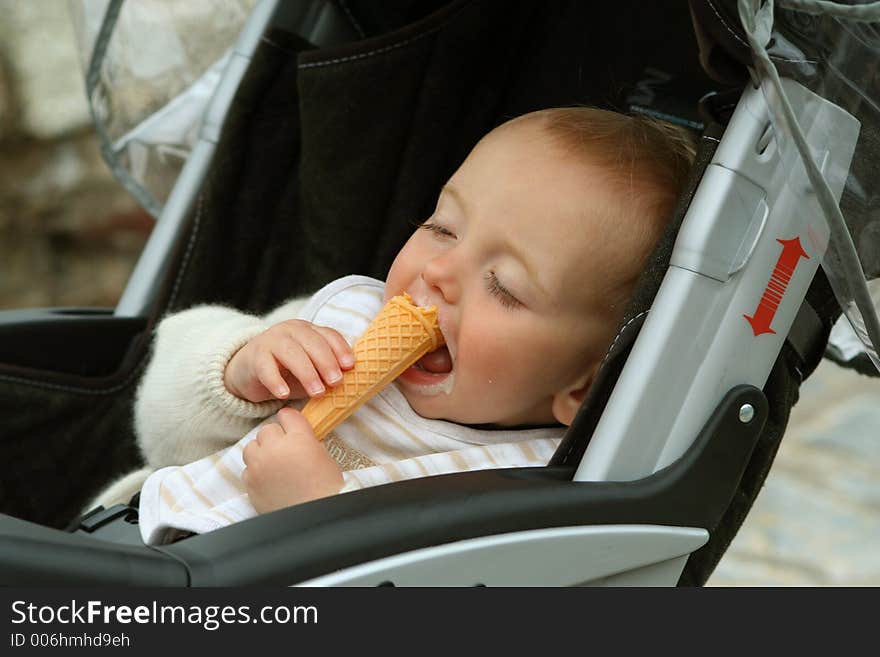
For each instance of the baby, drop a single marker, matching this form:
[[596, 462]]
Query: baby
[[530, 257]]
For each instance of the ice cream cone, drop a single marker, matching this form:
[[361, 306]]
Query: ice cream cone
[[398, 336]]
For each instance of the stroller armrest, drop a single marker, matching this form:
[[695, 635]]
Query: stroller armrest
[[306, 541], [35, 555], [77, 341]]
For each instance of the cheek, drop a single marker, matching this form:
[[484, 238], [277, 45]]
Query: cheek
[[520, 359], [494, 353]]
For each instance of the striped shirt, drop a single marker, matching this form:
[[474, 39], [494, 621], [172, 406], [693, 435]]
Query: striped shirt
[[382, 442]]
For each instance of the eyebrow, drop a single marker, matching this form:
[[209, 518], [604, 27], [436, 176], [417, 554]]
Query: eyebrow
[[514, 251]]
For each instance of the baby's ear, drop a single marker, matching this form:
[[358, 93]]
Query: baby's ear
[[566, 402]]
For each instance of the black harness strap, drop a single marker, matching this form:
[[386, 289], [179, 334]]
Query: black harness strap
[[808, 334]]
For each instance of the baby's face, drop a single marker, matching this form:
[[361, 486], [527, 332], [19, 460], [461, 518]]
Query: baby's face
[[515, 257]]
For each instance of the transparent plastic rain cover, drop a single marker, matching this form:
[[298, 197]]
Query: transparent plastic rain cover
[[151, 67], [832, 49]]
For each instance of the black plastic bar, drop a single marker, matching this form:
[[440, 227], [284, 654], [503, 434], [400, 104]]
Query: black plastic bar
[[35, 555], [78, 341]]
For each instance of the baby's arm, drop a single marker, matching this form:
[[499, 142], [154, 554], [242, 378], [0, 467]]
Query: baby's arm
[[287, 465], [183, 410]]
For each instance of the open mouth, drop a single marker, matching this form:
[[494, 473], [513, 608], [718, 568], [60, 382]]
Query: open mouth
[[430, 369]]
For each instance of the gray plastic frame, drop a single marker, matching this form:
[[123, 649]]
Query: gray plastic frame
[[728, 262], [542, 557]]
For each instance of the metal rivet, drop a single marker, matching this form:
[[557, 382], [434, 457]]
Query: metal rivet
[[746, 413]]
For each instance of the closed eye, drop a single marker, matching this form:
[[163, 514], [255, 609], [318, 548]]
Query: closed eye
[[437, 229], [497, 289]]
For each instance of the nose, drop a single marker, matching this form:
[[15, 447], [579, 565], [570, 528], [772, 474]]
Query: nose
[[439, 273]]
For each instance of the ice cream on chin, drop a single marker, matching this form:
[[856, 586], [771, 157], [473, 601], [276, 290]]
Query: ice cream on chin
[[397, 338]]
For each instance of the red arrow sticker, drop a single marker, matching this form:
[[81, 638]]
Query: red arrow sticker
[[792, 252]]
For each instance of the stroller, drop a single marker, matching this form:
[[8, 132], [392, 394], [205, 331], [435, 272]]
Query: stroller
[[333, 126]]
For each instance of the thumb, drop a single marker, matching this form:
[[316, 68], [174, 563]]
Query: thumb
[[294, 423]]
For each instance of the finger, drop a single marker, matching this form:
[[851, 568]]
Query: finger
[[248, 454], [267, 372], [294, 357], [266, 431], [320, 353], [294, 423], [341, 349]]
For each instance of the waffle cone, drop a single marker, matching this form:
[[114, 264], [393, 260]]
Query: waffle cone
[[398, 336]]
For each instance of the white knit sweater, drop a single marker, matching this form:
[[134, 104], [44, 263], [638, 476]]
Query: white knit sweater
[[183, 410]]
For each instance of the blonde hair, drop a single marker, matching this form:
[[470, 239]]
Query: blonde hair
[[642, 156], [645, 164]]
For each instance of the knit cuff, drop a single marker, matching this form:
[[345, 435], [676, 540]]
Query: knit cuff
[[213, 376]]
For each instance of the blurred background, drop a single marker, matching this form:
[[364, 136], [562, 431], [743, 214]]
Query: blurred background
[[70, 235]]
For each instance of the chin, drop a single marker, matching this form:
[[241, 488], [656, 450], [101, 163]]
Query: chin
[[432, 404], [441, 408], [426, 406]]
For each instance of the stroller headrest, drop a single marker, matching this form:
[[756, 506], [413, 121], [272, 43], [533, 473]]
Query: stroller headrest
[[724, 51]]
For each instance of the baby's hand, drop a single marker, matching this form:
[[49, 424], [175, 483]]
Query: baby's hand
[[287, 465], [290, 360]]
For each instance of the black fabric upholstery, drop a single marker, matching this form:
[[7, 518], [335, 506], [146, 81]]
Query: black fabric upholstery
[[331, 157], [62, 437]]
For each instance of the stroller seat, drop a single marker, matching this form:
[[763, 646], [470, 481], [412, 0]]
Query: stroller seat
[[667, 453]]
